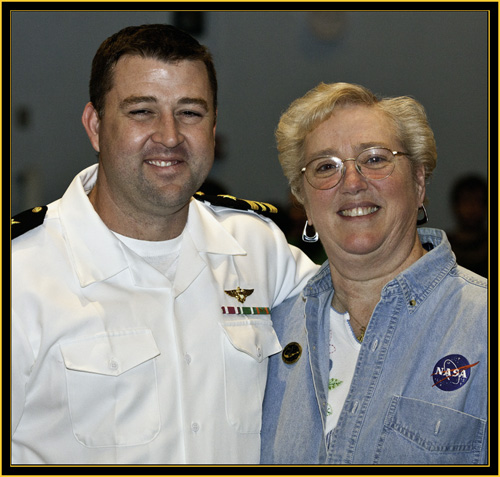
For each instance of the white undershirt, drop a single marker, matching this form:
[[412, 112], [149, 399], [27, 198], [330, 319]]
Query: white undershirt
[[344, 351], [162, 255]]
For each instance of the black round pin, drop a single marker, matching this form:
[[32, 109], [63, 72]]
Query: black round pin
[[292, 352]]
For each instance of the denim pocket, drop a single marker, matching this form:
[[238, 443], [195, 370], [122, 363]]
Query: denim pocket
[[419, 432], [112, 388], [247, 345]]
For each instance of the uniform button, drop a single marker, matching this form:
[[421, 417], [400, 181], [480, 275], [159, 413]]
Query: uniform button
[[195, 427], [187, 358], [113, 364]]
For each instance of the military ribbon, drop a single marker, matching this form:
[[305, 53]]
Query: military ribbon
[[245, 310]]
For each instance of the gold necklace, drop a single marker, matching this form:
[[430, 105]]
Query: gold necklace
[[362, 329]]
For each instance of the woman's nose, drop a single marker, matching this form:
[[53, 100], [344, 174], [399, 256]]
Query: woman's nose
[[353, 181]]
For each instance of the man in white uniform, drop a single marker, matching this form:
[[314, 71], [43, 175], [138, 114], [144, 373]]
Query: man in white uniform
[[140, 315]]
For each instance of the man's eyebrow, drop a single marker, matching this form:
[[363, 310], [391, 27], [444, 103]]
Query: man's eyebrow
[[199, 101], [131, 100]]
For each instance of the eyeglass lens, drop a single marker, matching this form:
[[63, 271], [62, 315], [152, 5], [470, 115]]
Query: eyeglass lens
[[326, 172]]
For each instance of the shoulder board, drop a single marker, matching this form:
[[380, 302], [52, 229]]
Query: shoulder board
[[27, 220], [239, 204]]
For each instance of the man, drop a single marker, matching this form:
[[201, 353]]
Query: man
[[140, 316]]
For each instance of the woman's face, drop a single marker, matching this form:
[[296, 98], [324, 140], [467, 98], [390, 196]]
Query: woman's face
[[362, 217]]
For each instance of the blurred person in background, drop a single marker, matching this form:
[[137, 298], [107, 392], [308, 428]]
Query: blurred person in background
[[469, 239]]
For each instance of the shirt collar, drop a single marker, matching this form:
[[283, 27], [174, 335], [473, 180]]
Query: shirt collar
[[421, 278], [417, 281], [98, 254]]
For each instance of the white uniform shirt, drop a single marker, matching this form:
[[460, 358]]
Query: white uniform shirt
[[113, 363]]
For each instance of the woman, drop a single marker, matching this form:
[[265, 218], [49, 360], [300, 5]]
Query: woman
[[385, 351]]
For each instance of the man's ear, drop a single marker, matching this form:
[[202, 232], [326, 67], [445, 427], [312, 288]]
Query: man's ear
[[90, 120]]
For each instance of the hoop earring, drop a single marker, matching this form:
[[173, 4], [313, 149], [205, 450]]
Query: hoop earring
[[425, 218], [307, 238]]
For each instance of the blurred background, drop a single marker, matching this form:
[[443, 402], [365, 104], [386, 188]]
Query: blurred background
[[264, 60]]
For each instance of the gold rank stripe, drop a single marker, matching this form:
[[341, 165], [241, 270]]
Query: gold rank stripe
[[258, 206], [245, 310]]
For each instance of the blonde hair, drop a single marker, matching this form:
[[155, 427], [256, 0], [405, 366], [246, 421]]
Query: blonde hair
[[316, 106]]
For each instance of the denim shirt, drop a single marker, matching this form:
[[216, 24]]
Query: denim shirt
[[419, 393]]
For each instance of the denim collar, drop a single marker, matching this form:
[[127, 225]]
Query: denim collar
[[417, 281]]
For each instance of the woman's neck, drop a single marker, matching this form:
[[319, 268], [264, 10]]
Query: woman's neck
[[358, 283]]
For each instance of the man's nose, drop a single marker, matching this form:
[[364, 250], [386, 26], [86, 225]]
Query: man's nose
[[167, 131]]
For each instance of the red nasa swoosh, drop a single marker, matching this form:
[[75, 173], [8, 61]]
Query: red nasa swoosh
[[455, 369]]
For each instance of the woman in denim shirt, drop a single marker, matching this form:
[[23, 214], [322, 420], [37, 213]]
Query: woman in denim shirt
[[385, 351]]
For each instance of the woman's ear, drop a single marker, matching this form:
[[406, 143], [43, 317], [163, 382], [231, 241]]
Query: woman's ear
[[90, 120], [420, 184]]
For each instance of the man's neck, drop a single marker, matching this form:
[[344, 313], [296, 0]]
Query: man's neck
[[139, 226]]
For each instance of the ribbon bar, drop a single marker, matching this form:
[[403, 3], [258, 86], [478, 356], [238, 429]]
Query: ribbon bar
[[245, 310]]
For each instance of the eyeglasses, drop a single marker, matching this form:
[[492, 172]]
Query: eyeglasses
[[375, 163]]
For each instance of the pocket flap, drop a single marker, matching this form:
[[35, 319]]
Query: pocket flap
[[256, 338], [435, 428], [110, 353]]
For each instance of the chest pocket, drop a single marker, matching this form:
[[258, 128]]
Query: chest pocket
[[247, 344], [419, 432], [112, 388]]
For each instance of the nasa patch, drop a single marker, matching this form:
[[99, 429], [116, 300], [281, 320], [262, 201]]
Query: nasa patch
[[451, 372]]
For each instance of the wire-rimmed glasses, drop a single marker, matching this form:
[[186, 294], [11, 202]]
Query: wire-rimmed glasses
[[375, 163]]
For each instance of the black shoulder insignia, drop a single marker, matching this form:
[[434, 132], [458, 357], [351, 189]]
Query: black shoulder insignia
[[27, 220], [234, 203]]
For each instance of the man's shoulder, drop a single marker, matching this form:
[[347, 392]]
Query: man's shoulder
[[27, 220], [229, 202]]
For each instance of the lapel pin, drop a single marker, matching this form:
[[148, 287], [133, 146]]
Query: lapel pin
[[239, 294], [291, 354]]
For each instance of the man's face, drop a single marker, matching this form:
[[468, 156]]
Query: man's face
[[156, 136]]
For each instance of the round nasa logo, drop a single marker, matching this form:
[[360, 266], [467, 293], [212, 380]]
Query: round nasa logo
[[451, 372]]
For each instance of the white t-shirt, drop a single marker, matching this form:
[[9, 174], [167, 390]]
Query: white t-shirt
[[344, 351], [162, 255]]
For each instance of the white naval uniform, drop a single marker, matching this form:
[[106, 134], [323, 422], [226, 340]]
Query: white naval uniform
[[112, 363]]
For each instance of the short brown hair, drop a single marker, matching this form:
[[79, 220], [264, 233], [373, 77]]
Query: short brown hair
[[163, 42]]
